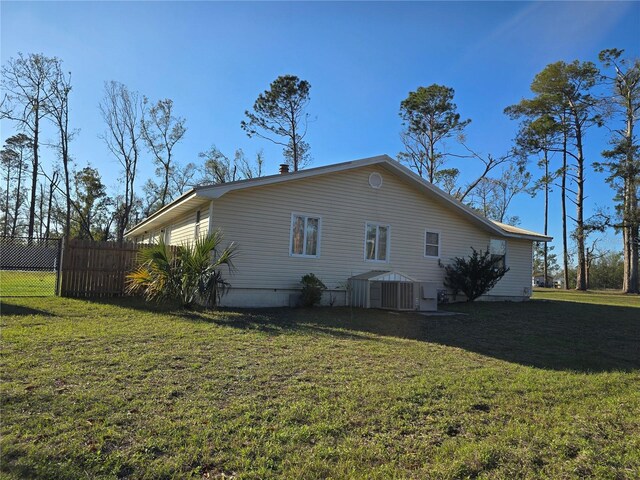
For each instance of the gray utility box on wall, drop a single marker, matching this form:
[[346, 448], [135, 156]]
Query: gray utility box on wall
[[428, 297]]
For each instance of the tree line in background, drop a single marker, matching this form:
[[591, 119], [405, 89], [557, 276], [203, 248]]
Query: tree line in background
[[69, 199], [568, 99]]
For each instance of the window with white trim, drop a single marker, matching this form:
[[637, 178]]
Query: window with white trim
[[376, 242], [498, 250], [305, 235], [431, 244]]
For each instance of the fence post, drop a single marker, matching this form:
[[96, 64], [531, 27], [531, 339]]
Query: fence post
[[61, 244]]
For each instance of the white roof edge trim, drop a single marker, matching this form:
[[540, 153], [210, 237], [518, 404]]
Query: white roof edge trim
[[535, 238], [464, 208], [163, 211]]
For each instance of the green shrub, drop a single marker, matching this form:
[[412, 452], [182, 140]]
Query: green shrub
[[312, 288], [474, 276]]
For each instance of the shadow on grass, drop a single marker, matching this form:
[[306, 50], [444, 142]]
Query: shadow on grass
[[550, 335], [275, 321], [135, 303], [21, 310], [545, 334]]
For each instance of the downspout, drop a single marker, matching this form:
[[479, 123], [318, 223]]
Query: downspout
[[210, 230]]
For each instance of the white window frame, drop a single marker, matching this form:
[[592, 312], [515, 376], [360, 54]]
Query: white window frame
[[506, 248], [306, 216], [424, 244], [388, 252]]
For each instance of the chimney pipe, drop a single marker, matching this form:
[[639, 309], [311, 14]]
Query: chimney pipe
[[284, 168]]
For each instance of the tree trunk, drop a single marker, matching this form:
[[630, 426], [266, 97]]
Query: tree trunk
[[565, 252], [16, 209], [633, 276], [432, 162], [546, 217], [34, 174], [41, 211], [630, 218], [67, 216], [64, 137], [581, 280], [52, 186], [5, 229], [294, 141], [630, 238], [165, 189]]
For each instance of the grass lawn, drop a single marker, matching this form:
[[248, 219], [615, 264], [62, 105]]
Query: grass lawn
[[545, 389], [27, 283], [597, 297]]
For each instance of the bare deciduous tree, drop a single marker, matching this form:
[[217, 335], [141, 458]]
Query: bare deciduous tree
[[26, 81], [218, 168], [122, 112], [161, 130], [493, 196], [21, 145], [248, 168], [53, 185], [59, 87], [184, 178]]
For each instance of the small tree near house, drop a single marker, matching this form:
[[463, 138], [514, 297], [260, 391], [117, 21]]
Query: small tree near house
[[312, 288], [188, 274], [474, 276]]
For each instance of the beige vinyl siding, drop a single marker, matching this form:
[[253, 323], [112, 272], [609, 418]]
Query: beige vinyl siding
[[259, 220], [184, 230], [151, 237], [148, 238]]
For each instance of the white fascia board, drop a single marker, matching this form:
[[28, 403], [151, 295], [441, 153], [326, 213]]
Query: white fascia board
[[464, 208], [534, 238], [163, 212]]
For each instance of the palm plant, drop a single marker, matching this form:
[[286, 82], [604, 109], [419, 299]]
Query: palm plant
[[189, 273]]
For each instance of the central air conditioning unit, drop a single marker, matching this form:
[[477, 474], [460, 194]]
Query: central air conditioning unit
[[387, 290]]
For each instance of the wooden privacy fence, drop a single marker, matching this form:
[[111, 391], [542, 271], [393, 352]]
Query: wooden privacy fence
[[96, 269]]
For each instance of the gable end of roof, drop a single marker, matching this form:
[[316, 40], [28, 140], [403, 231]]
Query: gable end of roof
[[203, 193]]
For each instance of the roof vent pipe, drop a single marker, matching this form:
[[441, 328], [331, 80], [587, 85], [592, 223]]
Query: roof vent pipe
[[284, 168]]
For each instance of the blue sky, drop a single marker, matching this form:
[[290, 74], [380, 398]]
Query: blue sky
[[361, 59]]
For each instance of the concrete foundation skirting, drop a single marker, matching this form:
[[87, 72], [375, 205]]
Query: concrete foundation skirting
[[287, 297]]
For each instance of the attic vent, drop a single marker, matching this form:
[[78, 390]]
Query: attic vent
[[375, 180]]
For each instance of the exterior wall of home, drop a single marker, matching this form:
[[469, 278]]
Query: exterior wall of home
[[182, 231], [149, 237], [259, 221]]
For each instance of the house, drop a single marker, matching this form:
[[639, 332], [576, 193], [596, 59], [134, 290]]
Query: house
[[339, 222], [539, 280]]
